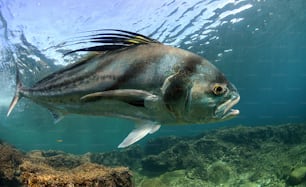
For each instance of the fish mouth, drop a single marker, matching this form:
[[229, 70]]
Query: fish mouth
[[225, 110]]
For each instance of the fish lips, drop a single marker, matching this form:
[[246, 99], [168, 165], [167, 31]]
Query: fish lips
[[225, 110]]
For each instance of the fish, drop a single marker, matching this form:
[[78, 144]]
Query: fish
[[132, 76]]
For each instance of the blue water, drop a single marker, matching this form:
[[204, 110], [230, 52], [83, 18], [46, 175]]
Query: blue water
[[259, 45]]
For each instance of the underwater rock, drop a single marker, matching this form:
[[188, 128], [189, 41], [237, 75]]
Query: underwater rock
[[177, 157], [239, 156], [56, 169], [152, 182], [160, 144], [177, 178], [55, 159], [219, 172], [130, 157], [10, 159], [253, 136], [87, 174], [250, 184], [297, 176]]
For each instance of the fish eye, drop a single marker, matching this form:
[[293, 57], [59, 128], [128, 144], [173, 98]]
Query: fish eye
[[218, 89]]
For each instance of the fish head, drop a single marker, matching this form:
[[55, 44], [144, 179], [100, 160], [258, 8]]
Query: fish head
[[211, 96]]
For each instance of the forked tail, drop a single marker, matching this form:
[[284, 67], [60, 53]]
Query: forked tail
[[17, 94]]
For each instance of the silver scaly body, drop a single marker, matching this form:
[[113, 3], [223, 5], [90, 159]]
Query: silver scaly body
[[145, 81]]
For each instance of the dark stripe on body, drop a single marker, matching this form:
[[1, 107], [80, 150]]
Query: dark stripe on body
[[133, 71], [63, 80], [190, 65]]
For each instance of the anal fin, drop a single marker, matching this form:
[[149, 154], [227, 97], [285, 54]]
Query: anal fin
[[139, 132]]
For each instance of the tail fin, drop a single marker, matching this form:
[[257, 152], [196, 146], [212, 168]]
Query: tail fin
[[17, 96]]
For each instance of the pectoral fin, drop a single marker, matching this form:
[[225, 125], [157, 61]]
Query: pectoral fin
[[130, 96], [138, 133]]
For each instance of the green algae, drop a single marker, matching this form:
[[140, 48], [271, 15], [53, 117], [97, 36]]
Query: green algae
[[297, 176], [242, 156], [219, 172], [271, 156]]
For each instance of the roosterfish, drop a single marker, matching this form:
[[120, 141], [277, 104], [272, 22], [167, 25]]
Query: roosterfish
[[132, 76]]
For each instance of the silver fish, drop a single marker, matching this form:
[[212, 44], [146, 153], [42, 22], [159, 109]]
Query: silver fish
[[132, 76]]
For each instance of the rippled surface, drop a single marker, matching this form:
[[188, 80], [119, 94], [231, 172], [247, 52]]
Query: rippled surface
[[259, 45]]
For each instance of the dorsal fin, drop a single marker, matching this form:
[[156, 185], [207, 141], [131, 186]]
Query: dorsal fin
[[112, 39]]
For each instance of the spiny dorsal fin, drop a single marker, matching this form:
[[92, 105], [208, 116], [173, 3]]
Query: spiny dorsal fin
[[112, 39]]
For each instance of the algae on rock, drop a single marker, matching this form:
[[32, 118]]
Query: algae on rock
[[297, 176], [238, 156], [56, 168], [241, 156]]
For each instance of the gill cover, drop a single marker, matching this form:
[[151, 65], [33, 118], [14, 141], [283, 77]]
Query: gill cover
[[176, 93]]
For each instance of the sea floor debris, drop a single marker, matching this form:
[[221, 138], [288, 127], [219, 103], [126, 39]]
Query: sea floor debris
[[266, 156]]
